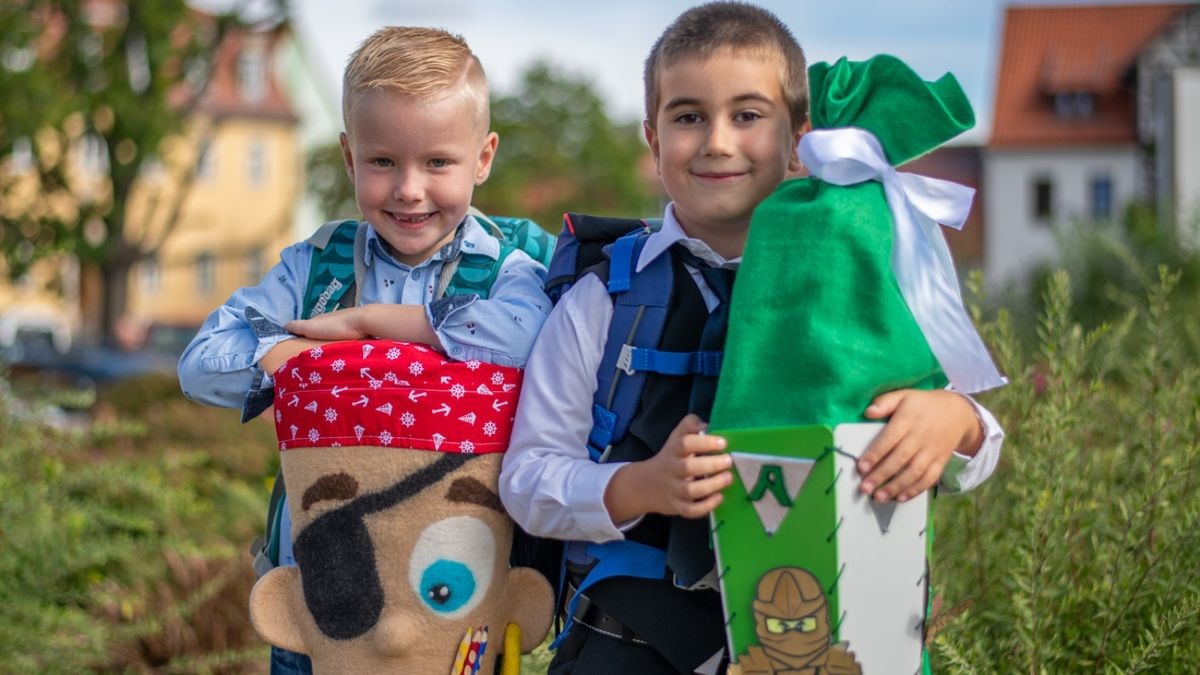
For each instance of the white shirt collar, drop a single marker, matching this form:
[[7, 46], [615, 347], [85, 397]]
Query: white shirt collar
[[671, 233]]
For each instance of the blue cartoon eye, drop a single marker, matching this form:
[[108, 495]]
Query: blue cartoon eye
[[452, 564], [447, 585]]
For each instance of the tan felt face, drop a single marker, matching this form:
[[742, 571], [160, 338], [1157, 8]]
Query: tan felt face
[[401, 552]]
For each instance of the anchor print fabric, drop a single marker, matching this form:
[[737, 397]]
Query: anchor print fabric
[[393, 394]]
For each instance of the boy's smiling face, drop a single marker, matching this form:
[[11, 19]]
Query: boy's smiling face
[[415, 164], [722, 139]]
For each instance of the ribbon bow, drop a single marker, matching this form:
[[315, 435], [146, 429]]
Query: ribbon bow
[[920, 258]]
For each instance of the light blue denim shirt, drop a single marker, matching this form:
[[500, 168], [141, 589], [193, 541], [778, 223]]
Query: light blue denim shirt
[[220, 366]]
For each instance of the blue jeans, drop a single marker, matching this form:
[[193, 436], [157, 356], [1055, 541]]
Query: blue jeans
[[284, 662]]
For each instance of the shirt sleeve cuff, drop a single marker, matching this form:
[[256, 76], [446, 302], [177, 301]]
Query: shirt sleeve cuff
[[591, 515], [439, 311], [964, 473], [262, 388], [260, 397]]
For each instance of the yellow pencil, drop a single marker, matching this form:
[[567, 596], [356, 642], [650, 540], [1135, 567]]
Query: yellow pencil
[[463, 646]]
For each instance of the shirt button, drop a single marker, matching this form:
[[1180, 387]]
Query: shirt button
[[456, 350], [415, 274]]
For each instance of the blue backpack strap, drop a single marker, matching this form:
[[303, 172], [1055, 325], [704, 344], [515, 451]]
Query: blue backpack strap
[[622, 558], [640, 303]]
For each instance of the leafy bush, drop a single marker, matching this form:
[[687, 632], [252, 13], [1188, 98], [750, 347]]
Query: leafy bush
[[1082, 553], [122, 547]]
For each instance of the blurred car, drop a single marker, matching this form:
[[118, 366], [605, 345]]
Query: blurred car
[[33, 327], [103, 363]]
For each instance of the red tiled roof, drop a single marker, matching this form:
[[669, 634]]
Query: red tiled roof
[[1072, 49]]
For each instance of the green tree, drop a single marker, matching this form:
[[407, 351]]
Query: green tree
[[117, 83], [559, 150]]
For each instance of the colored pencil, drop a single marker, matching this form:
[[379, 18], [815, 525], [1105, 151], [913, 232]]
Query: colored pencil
[[482, 647], [461, 658]]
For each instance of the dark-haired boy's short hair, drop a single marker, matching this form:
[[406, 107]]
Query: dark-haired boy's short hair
[[703, 31]]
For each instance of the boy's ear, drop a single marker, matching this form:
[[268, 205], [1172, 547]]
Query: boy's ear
[[273, 612], [652, 141], [486, 155], [347, 156], [532, 605], [794, 165]]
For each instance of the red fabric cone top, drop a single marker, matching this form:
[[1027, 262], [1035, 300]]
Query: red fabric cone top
[[393, 394]]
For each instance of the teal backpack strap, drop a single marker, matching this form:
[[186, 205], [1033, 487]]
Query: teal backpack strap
[[332, 272], [265, 549], [474, 273], [335, 269]]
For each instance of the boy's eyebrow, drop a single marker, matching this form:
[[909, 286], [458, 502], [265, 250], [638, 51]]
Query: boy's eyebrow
[[472, 491], [740, 98]]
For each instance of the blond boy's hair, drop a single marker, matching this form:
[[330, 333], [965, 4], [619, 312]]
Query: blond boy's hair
[[708, 29], [426, 63]]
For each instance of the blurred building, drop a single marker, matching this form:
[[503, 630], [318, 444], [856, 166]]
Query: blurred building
[[262, 111], [265, 105], [1096, 106]]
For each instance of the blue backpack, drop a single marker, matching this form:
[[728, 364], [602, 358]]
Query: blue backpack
[[640, 304]]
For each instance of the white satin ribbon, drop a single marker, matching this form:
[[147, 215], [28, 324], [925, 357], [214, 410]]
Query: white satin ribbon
[[920, 258]]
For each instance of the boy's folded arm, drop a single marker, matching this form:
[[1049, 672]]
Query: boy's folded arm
[[409, 323], [500, 329], [220, 367], [548, 483]]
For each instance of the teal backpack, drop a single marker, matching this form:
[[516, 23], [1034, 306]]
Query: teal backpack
[[334, 283]]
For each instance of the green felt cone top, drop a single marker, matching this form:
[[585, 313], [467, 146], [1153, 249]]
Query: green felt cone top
[[908, 115]]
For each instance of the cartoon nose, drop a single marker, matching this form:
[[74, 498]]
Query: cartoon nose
[[395, 634]]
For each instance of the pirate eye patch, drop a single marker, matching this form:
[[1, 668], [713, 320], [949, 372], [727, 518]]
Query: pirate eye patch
[[337, 557]]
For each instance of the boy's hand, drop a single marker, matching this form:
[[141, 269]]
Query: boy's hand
[[345, 324], [683, 479], [925, 428]]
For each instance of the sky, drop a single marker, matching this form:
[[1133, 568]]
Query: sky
[[607, 40]]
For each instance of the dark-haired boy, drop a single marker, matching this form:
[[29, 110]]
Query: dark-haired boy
[[726, 103]]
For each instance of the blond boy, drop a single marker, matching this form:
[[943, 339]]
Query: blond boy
[[416, 143]]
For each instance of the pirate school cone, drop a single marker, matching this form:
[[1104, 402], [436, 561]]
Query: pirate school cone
[[391, 455]]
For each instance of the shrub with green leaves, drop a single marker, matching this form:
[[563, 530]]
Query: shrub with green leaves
[[122, 545], [1082, 554]]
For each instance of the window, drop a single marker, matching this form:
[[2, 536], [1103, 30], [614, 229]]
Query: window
[[204, 160], [1101, 196], [1074, 105], [1043, 199], [256, 163], [151, 276], [205, 273], [252, 75]]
